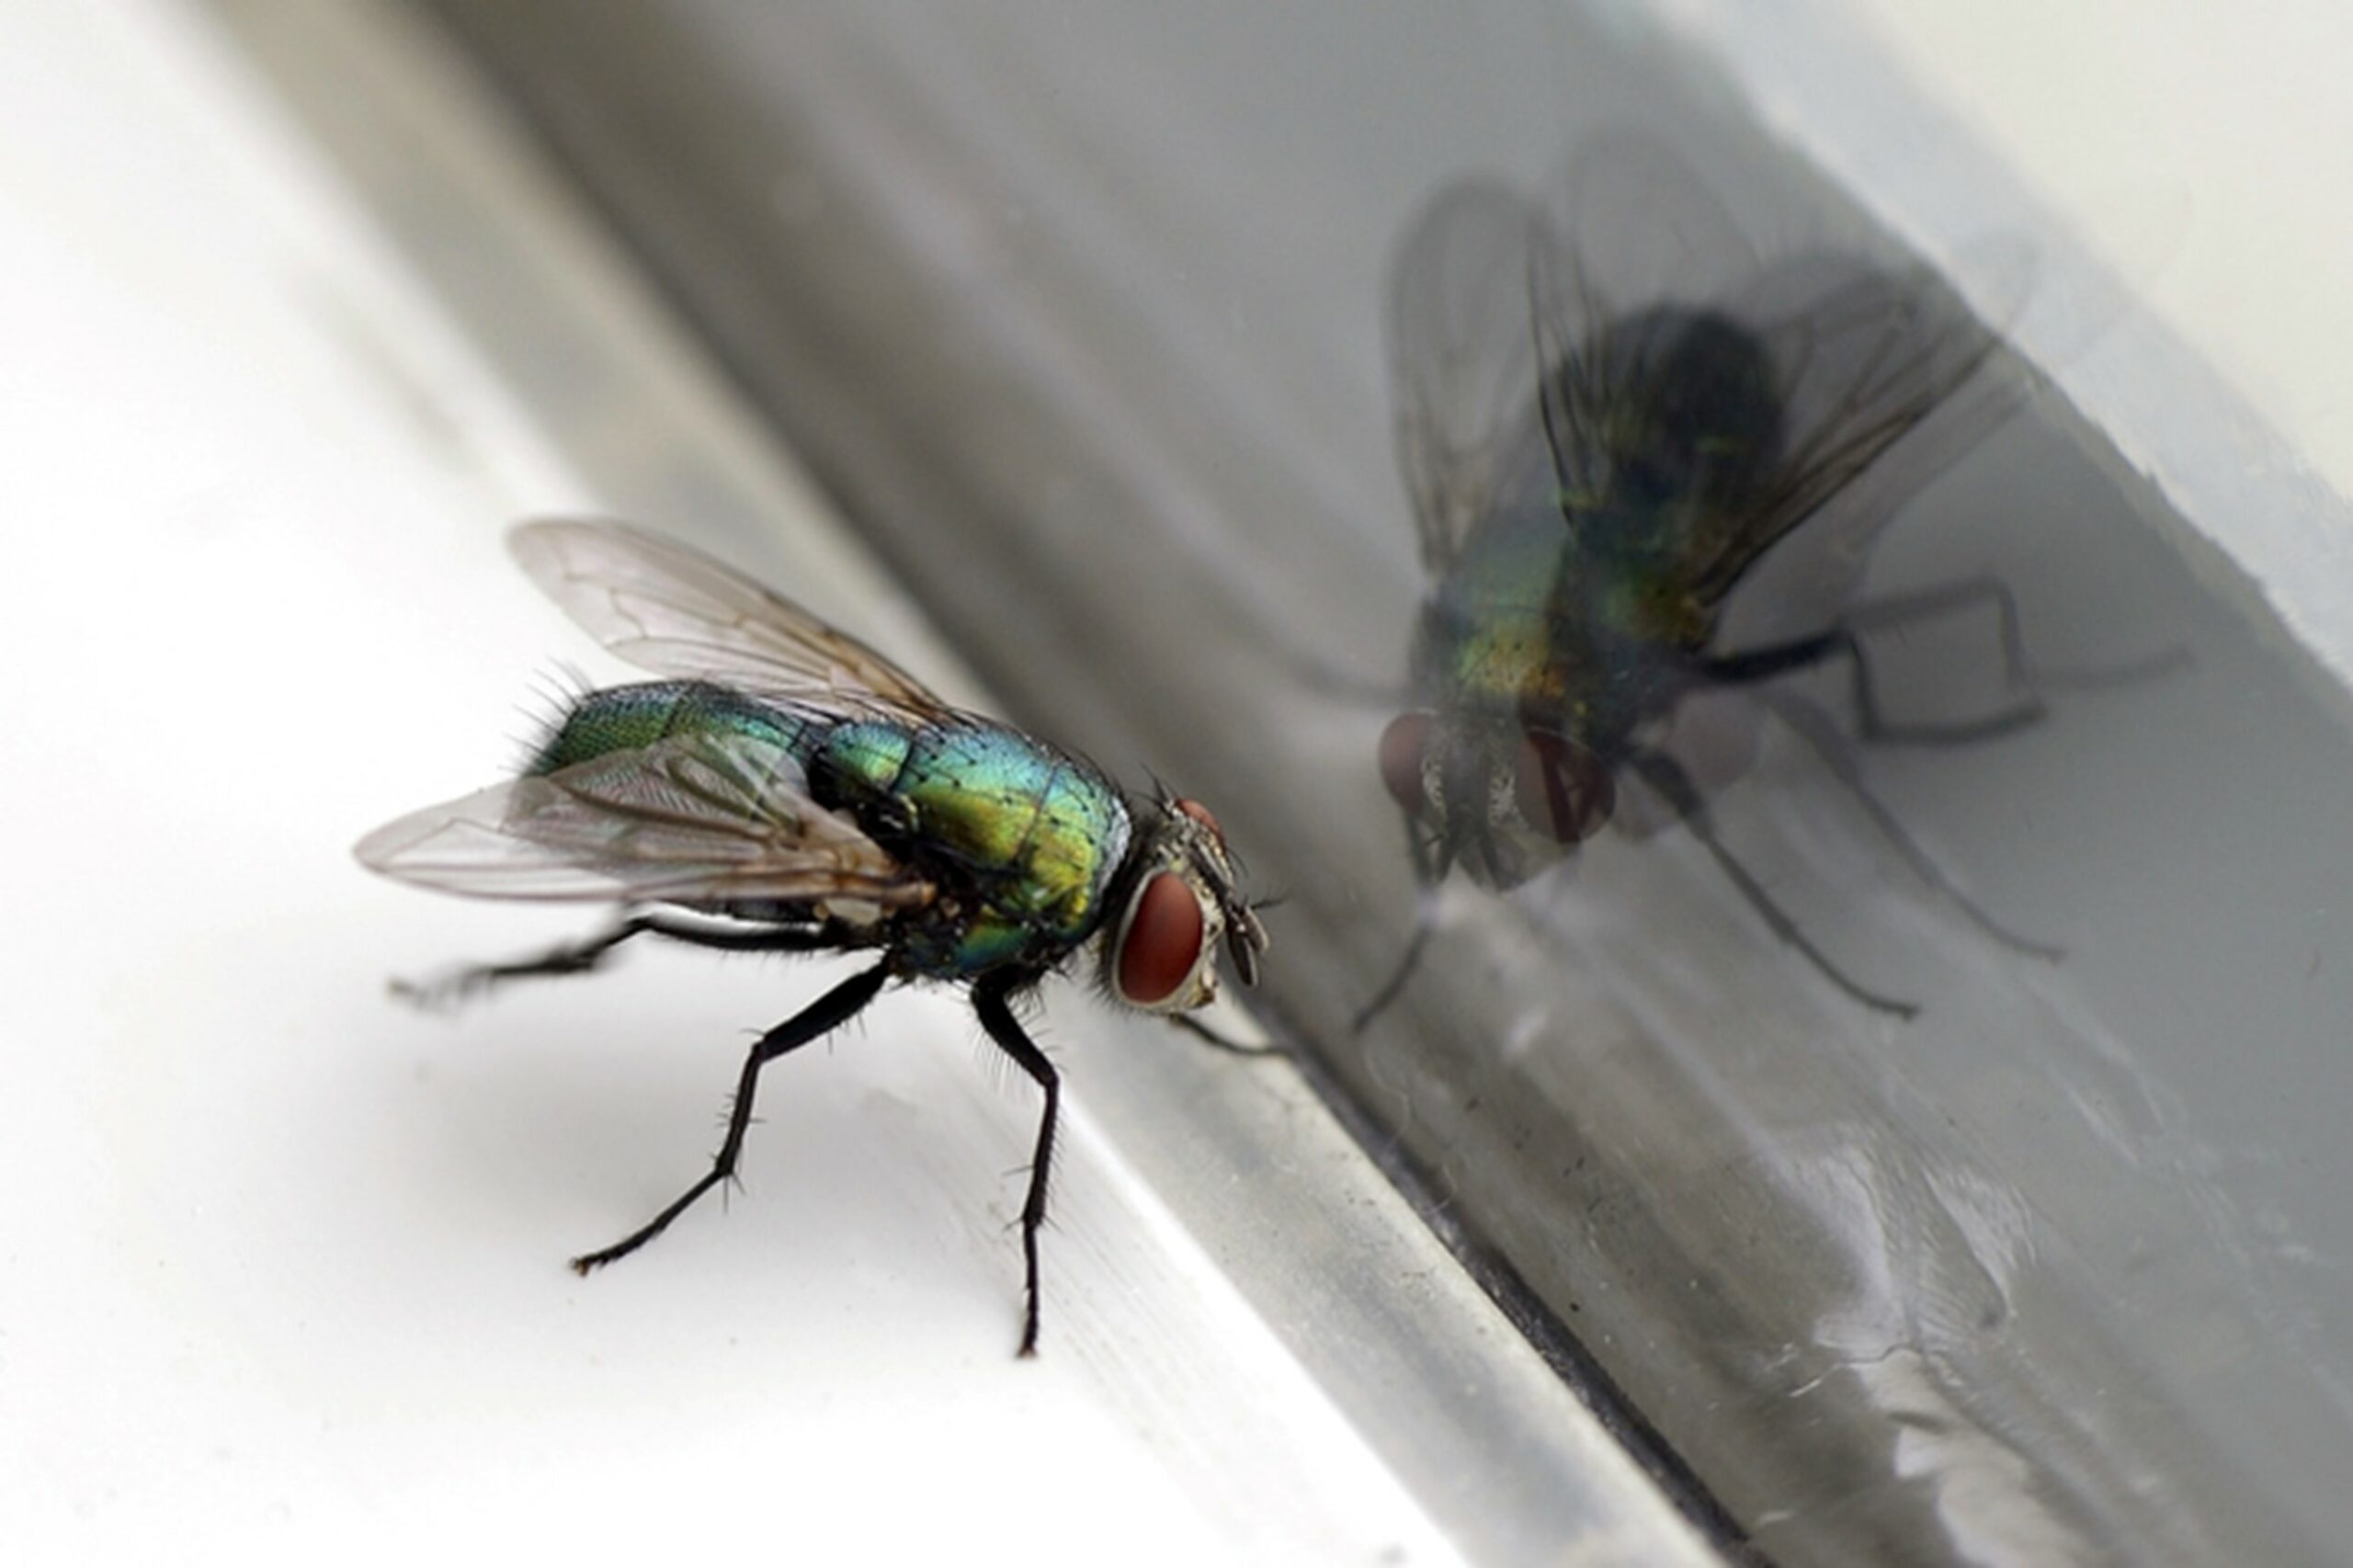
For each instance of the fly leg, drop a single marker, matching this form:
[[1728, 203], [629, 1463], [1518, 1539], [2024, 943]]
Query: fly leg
[[469, 981], [992, 1000], [1928, 604], [1814, 727], [1424, 922], [2019, 670], [1428, 874], [1905, 609], [1765, 663], [821, 1017], [1667, 776], [1947, 598], [1222, 1041], [579, 958]]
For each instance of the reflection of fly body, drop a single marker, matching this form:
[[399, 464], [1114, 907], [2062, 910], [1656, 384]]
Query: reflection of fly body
[[1606, 421], [789, 789]]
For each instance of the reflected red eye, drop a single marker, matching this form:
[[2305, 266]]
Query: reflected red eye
[[1162, 943], [1563, 790], [1402, 744]]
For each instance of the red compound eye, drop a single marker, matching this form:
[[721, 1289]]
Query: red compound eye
[[1563, 790], [1162, 942], [1402, 745], [1201, 813]]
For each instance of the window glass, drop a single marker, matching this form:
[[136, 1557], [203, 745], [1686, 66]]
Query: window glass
[[2009, 1223]]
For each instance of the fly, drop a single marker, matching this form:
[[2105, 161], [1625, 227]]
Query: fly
[[1607, 420], [785, 788]]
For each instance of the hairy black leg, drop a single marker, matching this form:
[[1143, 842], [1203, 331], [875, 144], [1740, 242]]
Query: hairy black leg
[[471, 980], [1667, 776], [821, 1017], [992, 999], [1814, 727], [581, 956]]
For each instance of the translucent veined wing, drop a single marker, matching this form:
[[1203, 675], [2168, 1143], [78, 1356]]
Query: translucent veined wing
[[692, 817], [1486, 286], [1859, 353], [1864, 353], [1864, 358], [670, 609], [1629, 229], [1462, 359], [1627, 225]]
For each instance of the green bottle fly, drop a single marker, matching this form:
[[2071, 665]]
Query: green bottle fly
[[1608, 415], [785, 788]]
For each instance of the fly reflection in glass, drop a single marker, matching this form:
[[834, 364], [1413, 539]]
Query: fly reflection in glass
[[1607, 415], [787, 789]]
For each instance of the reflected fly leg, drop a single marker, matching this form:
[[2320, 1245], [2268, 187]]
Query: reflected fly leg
[[992, 999], [1765, 664], [1815, 728], [1428, 874], [579, 958], [1667, 776], [2018, 668], [821, 1017], [1898, 611], [1424, 921], [1209, 1036]]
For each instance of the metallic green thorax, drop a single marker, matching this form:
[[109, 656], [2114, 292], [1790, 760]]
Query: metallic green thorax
[[1022, 841], [1542, 622], [1037, 836]]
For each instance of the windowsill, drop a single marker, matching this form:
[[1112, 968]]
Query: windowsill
[[293, 1283]]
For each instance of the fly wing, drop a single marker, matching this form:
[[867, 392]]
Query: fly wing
[[1462, 357], [693, 817], [1630, 228], [1863, 354], [1865, 357], [668, 608], [1486, 286]]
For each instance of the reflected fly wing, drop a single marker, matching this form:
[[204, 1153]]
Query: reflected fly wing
[[1629, 229], [1462, 359], [1863, 358], [1863, 354], [670, 609], [691, 818], [1485, 287], [1632, 226]]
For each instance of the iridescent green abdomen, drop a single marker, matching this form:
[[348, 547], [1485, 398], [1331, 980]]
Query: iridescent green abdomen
[[1024, 839], [1021, 841], [1542, 618], [626, 718]]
